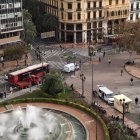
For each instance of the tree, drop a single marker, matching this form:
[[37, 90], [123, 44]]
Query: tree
[[128, 35], [48, 22], [29, 27], [14, 52], [53, 84]]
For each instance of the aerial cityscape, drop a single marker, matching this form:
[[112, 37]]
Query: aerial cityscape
[[69, 70]]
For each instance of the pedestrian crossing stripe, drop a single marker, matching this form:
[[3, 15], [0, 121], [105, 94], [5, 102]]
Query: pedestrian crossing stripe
[[57, 65]]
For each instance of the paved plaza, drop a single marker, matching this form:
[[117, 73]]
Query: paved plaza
[[104, 73]]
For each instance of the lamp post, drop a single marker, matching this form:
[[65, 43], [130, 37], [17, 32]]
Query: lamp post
[[41, 60], [83, 78], [80, 62], [122, 101]]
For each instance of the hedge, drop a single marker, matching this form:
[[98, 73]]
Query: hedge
[[62, 102]]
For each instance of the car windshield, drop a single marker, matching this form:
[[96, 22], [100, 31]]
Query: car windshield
[[109, 95]]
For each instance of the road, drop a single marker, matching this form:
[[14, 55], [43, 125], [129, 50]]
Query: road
[[110, 76]]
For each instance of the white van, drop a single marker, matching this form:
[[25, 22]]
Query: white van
[[71, 67], [106, 94]]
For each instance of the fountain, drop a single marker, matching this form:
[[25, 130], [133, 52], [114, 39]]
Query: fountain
[[34, 123]]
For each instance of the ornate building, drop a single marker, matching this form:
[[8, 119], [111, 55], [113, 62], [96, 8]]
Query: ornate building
[[116, 11], [134, 10], [86, 20], [11, 21]]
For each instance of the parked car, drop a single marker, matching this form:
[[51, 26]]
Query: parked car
[[106, 94]]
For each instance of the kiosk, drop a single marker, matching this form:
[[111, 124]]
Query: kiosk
[[120, 100]]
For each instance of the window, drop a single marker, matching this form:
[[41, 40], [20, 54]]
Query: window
[[88, 15], [131, 17], [100, 14], [100, 23], [78, 5], [94, 24], [112, 13], [69, 5], [79, 16], [61, 4], [131, 6], [88, 25], [125, 12], [110, 2], [94, 4], [100, 4], [123, 1], [107, 14], [137, 6], [117, 1], [62, 15], [94, 14], [137, 15], [88, 5], [69, 16], [119, 13]]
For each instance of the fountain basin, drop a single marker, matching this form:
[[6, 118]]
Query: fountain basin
[[35, 123]]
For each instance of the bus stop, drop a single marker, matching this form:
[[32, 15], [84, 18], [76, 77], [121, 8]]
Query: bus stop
[[120, 100]]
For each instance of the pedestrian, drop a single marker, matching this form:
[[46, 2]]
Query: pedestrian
[[25, 61], [26, 56], [109, 60], [103, 54], [131, 81], [1, 95], [72, 87], [61, 47], [121, 72], [2, 64], [4, 94], [136, 100], [2, 61], [11, 90], [99, 59]]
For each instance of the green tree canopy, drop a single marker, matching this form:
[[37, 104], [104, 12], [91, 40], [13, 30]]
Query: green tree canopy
[[43, 21], [29, 27], [53, 84], [14, 52]]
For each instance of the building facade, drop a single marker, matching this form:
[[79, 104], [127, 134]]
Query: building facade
[[11, 21], [134, 10], [116, 11], [86, 20]]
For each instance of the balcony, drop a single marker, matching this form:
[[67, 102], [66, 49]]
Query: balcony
[[78, 9], [61, 9], [118, 12]]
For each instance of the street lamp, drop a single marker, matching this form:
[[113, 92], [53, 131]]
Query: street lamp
[[122, 101], [83, 78], [80, 62]]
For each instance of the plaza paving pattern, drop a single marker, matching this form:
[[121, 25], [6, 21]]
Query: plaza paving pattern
[[86, 120], [110, 69]]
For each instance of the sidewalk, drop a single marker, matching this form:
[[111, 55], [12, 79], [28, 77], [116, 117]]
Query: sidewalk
[[111, 111]]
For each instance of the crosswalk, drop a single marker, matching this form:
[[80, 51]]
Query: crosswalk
[[56, 52], [54, 56], [57, 65]]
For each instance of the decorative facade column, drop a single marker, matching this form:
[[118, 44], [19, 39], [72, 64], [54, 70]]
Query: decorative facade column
[[65, 33], [60, 32], [75, 41]]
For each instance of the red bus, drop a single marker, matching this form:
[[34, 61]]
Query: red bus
[[28, 76]]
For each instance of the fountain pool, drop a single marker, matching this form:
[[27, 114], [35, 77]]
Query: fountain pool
[[34, 123]]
